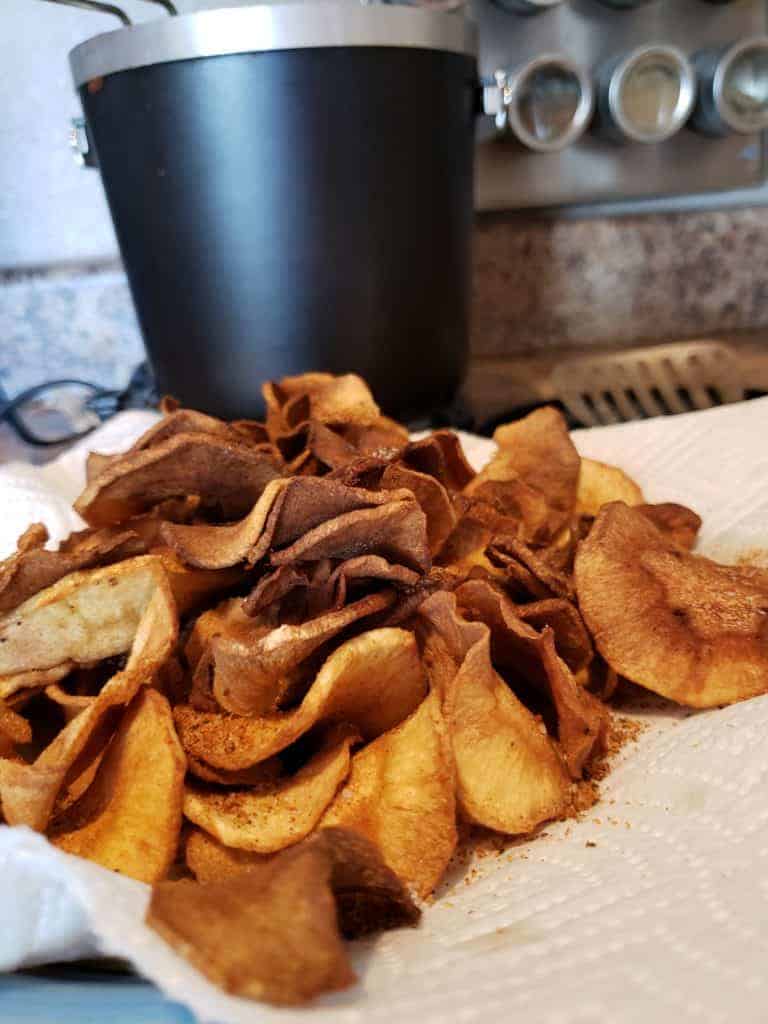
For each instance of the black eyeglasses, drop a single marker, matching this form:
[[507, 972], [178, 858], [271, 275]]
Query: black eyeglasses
[[62, 411]]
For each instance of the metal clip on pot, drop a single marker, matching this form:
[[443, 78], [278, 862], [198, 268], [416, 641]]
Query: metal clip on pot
[[117, 12], [546, 104]]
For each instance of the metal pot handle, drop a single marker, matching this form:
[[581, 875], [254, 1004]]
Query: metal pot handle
[[104, 8]]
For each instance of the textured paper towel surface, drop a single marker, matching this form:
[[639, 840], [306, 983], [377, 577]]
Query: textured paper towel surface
[[662, 917]]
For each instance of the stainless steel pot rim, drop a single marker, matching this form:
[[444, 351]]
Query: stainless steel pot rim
[[685, 100], [726, 111], [263, 28]]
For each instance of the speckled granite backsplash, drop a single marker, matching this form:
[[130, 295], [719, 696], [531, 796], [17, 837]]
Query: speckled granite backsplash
[[540, 283], [537, 283]]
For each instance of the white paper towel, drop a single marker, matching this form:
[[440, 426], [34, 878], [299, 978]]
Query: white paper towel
[[663, 916]]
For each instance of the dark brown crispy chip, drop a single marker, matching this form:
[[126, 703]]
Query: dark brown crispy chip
[[528, 572], [431, 496], [396, 530], [228, 476], [572, 639], [440, 455], [523, 651], [676, 623], [270, 933], [287, 510], [270, 929]]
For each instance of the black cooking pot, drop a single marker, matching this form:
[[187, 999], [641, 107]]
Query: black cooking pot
[[291, 188]]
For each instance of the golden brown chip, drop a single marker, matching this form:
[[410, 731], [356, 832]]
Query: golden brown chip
[[226, 475], [600, 484], [19, 682], [400, 795], [28, 791], [83, 618], [675, 623], [248, 670], [130, 816], [33, 568], [524, 652], [192, 587], [372, 681], [536, 462], [271, 816], [212, 861], [264, 771], [270, 933], [13, 725], [677, 522], [509, 775]]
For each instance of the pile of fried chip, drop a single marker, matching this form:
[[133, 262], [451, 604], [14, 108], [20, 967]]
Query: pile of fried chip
[[286, 661]]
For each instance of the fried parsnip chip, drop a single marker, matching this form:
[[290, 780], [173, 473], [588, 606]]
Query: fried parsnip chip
[[258, 774], [28, 791], [313, 445], [672, 622], [212, 861], [677, 522], [83, 618], [369, 896], [33, 568], [372, 682], [528, 572], [270, 933], [509, 775], [286, 511], [228, 476], [431, 496], [176, 421], [248, 670], [397, 531], [271, 816], [192, 587], [130, 817], [324, 592], [271, 930], [13, 725], [400, 795], [18, 682], [523, 651], [538, 453], [572, 639], [440, 455], [600, 484], [318, 396]]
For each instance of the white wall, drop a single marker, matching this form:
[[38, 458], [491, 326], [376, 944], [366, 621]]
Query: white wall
[[51, 210]]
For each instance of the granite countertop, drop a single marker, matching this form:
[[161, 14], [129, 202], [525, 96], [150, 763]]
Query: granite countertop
[[540, 286]]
